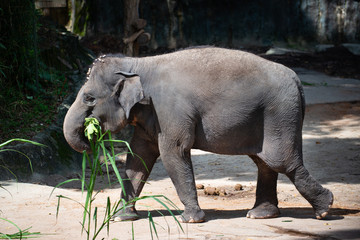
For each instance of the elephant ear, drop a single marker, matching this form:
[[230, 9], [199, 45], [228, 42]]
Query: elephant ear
[[129, 91]]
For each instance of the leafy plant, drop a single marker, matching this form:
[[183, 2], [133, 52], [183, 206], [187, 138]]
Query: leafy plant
[[31, 87], [17, 108], [90, 215], [2, 66], [18, 49]]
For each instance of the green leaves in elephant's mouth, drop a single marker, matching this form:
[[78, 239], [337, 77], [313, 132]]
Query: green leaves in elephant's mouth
[[92, 127]]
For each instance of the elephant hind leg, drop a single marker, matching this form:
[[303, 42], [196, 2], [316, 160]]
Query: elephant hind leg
[[320, 198], [138, 168], [266, 204]]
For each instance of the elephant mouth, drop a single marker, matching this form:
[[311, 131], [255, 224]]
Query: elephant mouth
[[84, 144], [74, 131], [84, 141], [78, 141]]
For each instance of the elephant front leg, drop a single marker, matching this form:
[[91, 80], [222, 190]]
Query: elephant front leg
[[136, 174], [177, 161]]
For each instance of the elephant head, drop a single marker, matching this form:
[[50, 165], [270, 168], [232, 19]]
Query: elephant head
[[108, 95]]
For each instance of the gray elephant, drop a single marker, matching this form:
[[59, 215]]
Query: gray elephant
[[218, 100]]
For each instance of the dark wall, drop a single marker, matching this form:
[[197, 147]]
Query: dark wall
[[105, 16], [236, 22], [178, 23], [231, 23]]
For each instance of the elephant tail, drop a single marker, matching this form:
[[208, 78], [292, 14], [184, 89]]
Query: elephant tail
[[302, 96]]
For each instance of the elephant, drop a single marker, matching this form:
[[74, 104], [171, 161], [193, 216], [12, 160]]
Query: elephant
[[214, 99]]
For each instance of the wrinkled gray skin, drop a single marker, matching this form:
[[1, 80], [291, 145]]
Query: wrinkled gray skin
[[218, 100]]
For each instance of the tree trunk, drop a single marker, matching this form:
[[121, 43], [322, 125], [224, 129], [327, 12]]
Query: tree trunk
[[172, 24], [134, 34], [131, 12]]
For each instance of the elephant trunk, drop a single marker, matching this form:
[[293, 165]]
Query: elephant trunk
[[73, 129]]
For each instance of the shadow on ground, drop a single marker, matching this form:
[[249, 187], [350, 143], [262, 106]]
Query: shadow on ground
[[297, 213]]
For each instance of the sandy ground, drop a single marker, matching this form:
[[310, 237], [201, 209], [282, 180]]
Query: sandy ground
[[331, 154]]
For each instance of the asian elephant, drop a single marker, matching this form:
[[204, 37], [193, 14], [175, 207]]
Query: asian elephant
[[218, 100]]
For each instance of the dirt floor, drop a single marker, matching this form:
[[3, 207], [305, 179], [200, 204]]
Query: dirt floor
[[332, 155]]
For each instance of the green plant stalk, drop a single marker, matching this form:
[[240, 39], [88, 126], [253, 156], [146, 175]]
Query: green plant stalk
[[21, 233], [13, 150], [97, 144], [21, 140], [11, 172]]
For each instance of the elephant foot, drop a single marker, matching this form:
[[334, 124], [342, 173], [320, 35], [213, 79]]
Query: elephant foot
[[127, 214], [192, 216], [322, 208], [264, 210]]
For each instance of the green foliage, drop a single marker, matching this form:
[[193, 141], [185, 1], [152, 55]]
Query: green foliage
[[90, 214], [81, 17], [16, 107], [2, 66], [18, 43], [92, 128], [16, 111], [35, 57], [34, 62], [18, 61]]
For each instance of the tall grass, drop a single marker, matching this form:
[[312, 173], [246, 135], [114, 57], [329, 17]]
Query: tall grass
[[21, 234], [90, 223], [2, 145]]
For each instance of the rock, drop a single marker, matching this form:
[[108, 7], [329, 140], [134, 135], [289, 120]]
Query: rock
[[143, 39], [210, 191], [221, 192], [354, 48], [238, 187], [323, 47], [199, 186], [282, 51]]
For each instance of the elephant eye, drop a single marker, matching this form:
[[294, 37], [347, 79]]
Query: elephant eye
[[89, 100]]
